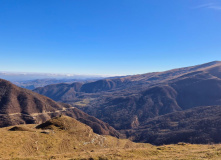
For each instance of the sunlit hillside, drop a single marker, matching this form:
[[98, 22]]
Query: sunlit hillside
[[66, 138]]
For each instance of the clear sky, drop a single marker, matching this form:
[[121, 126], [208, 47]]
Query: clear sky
[[108, 37]]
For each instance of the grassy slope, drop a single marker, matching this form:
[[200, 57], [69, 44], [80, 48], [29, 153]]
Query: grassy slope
[[75, 144]]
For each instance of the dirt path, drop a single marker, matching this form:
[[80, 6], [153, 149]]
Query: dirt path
[[37, 114]]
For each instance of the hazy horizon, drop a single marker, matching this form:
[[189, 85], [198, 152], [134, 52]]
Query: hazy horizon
[[23, 76], [17, 76]]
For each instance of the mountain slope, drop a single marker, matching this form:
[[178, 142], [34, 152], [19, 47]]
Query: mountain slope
[[59, 136], [136, 99], [61, 92], [197, 125], [122, 112], [18, 106]]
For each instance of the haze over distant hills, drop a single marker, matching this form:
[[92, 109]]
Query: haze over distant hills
[[34, 80], [32, 84], [23, 76], [142, 105]]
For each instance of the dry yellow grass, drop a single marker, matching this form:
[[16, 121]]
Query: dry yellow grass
[[81, 143]]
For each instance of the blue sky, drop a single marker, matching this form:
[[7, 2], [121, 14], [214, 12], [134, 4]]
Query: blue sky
[[108, 37]]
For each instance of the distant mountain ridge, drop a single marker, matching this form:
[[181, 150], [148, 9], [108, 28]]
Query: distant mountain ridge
[[32, 84], [35, 80], [135, 82], [25, 76]]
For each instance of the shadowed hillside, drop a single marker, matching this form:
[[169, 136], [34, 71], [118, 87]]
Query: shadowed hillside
[[198, 125], [19, 106], [62, 91]]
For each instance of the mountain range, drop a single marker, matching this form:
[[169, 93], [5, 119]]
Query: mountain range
[[32, 84], [152, 107]]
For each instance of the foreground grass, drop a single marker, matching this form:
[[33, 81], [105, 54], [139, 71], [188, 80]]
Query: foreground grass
[[82, 144], [169, 152]]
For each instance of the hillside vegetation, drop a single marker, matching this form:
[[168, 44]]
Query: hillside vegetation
[[156, 108]]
